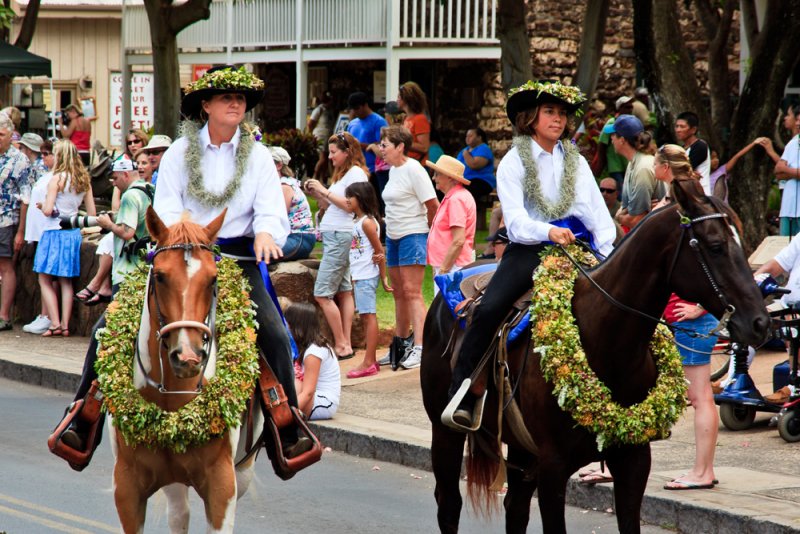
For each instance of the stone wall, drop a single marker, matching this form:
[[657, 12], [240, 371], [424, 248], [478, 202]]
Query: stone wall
[[554, 29]]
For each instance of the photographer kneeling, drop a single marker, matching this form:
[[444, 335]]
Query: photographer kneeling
[[129, 229]]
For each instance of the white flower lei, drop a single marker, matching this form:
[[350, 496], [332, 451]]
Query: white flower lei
[[194, 156], [533, 187]]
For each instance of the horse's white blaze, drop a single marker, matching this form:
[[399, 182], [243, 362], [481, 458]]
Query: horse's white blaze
[[192, 267]]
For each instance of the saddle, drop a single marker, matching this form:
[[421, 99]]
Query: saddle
[[473, 287]]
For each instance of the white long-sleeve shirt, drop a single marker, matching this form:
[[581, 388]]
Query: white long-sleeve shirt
[[528, 227], [257, 207]]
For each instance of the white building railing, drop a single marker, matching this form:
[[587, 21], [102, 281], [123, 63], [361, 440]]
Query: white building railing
[[272, 23]]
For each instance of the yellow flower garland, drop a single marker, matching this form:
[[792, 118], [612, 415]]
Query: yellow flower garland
[[222, 400], [578, 390]]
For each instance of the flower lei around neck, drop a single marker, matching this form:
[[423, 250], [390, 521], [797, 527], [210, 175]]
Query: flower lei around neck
[[533, 187], [578, 389], [223, 398], [193, 158]]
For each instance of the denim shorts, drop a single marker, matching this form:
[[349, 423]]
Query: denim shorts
[[408, 250], [334, 270], [298, 246], [704, 345], [364, 292]]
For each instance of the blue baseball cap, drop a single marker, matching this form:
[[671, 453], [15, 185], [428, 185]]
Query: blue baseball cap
[[624, 126]]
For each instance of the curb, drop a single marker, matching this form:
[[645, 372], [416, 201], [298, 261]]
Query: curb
[[656, 510]]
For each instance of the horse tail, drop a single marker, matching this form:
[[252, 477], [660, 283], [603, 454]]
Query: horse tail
[[483, 466]]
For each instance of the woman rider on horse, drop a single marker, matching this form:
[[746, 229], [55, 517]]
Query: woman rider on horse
[[548, 195], [219, 166]]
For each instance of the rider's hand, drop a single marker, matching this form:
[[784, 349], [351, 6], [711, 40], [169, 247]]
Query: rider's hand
[[561, 236], [265, 248]]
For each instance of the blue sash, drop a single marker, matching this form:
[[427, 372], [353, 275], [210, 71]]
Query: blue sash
[[578, 229], [262, 267]]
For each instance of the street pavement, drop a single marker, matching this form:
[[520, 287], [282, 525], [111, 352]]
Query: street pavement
[[382, 418], [341, 494]]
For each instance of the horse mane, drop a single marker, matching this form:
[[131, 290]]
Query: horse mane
[[185, 231]]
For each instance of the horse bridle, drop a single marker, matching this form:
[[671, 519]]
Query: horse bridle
[[687, 224], [208, 328]]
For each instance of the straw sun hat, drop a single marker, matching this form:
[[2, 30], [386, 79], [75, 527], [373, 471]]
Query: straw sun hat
[[450, 167]]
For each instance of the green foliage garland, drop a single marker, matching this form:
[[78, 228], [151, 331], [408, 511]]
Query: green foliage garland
[[194, 156], [533, 186], [568, 93], [577, 388], [222, 400], [226, 79]]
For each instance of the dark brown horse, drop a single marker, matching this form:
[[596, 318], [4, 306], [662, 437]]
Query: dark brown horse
[[651, 263]]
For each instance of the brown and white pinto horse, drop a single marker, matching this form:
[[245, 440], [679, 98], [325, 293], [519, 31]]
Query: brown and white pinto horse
[[687, 248], [184, 274]]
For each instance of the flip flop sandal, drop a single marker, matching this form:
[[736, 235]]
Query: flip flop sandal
[[84, 294], [96, 299], [596, 478], [53, 332], [683, 485], [345, 356]]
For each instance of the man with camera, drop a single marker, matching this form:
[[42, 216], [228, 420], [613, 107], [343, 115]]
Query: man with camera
[[129, 229], [128, 226]]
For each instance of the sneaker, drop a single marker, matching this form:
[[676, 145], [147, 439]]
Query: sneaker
[[5, 325], [38, 325], [407, 342], [386, 360], [413, 358]]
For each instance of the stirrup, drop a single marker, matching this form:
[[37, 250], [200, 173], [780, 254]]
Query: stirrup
[[452, 406], [284, 467]]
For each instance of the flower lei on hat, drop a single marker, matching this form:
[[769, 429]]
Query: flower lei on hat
[[222, 401], [235, 79], [533, 187], [193, 158], [578, 389], [568, 93]]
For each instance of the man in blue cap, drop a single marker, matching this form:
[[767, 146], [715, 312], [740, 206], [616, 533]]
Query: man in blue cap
[[639, 187]]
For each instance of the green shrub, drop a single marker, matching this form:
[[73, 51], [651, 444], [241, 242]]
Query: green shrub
[[301, 145]]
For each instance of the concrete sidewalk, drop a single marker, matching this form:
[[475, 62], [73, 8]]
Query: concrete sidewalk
[[382, 417]]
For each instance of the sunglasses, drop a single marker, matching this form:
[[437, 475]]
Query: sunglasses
[[340, 136], [135, 142], [46, 153], [606, 190]]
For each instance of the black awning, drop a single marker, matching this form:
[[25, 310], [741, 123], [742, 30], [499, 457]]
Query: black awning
[[15, 61]]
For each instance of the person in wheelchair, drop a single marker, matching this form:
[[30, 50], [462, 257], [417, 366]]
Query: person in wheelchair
[[787, 261], [548, 194]]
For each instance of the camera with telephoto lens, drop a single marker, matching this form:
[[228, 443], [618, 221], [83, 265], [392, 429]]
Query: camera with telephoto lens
[[70, 222], [65, 120]]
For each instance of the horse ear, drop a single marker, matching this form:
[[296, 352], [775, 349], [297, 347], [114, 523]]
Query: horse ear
[[156, 227], [688, 193], [213, 227]]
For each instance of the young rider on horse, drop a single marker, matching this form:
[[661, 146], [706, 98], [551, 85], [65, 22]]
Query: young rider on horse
[[548, 194], [220, 166]]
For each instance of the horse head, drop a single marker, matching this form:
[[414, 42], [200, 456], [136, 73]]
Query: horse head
[[182, 294], [709, 250]]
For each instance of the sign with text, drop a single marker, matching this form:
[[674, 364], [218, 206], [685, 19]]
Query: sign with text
[[198, 71], [142, 104]]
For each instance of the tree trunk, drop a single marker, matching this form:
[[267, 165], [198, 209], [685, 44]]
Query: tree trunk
[[718, 28], [28, 25], [755, 114], [666, 65], [166, 21], [512, 31], [594, 32]]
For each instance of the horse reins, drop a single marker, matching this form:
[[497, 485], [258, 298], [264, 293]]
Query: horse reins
[[686, 227], [208, 328]]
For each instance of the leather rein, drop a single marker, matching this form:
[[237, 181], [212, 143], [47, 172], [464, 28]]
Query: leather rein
[[208, 328], [687, 225]]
